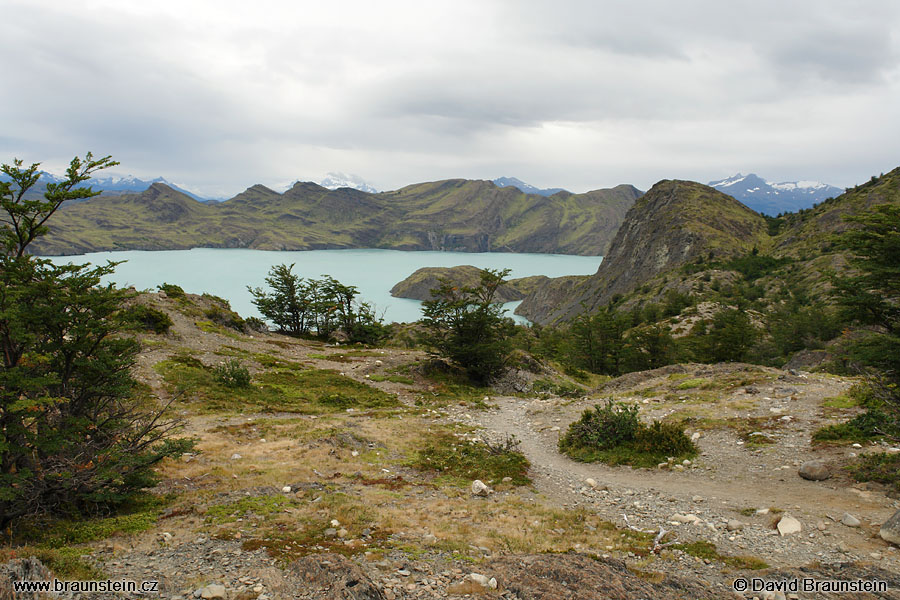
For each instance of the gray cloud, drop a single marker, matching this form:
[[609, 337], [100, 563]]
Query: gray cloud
[[581, 94]]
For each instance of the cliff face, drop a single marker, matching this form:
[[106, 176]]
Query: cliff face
[[456, 214], [674, 223]]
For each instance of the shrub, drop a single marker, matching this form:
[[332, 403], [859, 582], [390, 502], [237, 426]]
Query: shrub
[[615, 435], [880, 467], [148, 318], [232, 374], [171, 290]]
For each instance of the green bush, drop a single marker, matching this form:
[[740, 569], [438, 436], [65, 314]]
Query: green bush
[[171, 290], [147, 318], [603, 428], [232, 374], [615, 435], [880, 467]]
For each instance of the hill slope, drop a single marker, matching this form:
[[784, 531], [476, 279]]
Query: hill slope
[[674, 223], [457, 214]]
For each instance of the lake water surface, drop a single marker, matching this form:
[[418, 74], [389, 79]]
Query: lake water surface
[[228, 272]]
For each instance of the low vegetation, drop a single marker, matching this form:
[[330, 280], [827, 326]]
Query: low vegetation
[[614, 434], [451, 456]]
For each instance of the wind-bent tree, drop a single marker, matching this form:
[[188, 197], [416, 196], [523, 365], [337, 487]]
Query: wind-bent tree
[[74, 434]]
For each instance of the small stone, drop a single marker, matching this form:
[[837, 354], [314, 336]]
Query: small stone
[[695, 436], [734, 525], [849, 520], [342, 533], [697, 499], [686, 463], [814, 470], [214, 591], [506, 479], [821, 525], [762, 511], [286, 489], [479, 488], [492, 583], [330, 532], [875, 555], [591, 482], [679, 467], [662, 465], [236, 456], [335, 523], [856, 445], [480, 579], [788, 525]]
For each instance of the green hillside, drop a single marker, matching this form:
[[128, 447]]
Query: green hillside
[[457, 214]]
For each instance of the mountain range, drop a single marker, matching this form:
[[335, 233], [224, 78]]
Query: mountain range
[[771, 198], [454, 214]]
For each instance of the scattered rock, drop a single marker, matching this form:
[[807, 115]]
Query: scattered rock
[[22, 569], [788, 525], [814, 470]]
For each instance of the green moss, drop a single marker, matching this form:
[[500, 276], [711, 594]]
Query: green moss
[[708, 551], [879, 467], [261, 506]]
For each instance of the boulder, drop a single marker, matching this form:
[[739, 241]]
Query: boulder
[[329, 576], [586, 577], [890, 531], [814, 470], [22, 569]]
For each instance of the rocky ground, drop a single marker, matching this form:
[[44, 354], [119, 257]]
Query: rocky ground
[[410, 535]]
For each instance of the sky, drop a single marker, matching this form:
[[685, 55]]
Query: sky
[[579, 94]]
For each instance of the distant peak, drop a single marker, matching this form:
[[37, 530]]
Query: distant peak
[[334, 181], [525, 187]]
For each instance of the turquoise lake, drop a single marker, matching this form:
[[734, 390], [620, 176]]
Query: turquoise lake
[[228, 272]]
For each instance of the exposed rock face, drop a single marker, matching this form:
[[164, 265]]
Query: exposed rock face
[[418, 286], [673, 224], [331, 577], [579, 577], [22, 569], [890, 531]]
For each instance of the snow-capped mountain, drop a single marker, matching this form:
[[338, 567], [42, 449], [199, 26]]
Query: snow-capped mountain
[[772, 198], [528, 189], [333, 181], [110, 185]]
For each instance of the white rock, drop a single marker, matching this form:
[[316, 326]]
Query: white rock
[[335, 523], [686, 462], [236, 456], [695, 436], [734, 525], [378, 363], [479, 488], [213, 591], [591, 482], [480, 579], [849, 520], [286, 489], [492, 583], [788, 525], [678, 518]]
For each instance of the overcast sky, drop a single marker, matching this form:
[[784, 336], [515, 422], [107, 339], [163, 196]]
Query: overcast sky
[[218, 96]]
